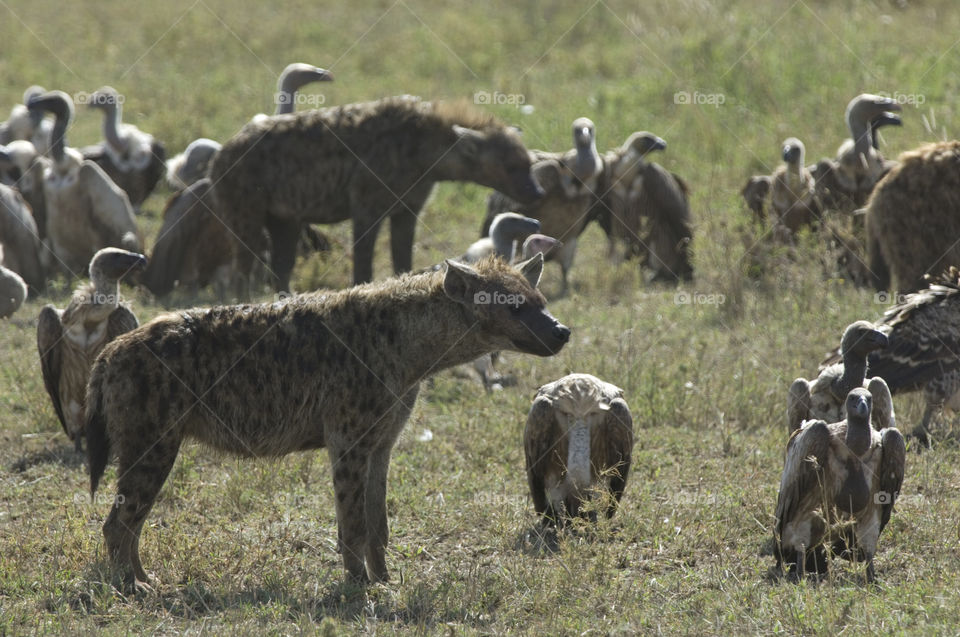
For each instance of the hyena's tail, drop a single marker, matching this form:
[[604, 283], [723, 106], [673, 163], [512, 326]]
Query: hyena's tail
[[98, 445]]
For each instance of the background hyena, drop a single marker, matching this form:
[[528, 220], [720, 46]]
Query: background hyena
[[367, 162], [338, 370]]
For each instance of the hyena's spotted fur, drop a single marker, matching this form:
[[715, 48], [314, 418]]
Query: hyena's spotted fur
[[339, 370]]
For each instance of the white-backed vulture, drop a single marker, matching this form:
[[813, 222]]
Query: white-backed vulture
[[26, 125], [629, 190], [792, 193], [507, 230], [582, 164], [823, 398], [22, 167], [294, 77], [20, 240], [641, 190], [924, 347], [578, 170], [615, 207], [834, 473], [133, 159], [846, 182], [69, 340], [13, 290], [560, 215], [578, 439], [86, 211], [191, 165]]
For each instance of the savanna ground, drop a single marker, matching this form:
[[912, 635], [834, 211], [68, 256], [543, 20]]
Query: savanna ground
[[249, 547]]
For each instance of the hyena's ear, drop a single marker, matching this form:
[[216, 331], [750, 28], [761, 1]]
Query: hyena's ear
[[531, 269], [461, 282], [468, 140]]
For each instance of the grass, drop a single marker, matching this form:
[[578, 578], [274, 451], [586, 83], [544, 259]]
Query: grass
[[249, 546]]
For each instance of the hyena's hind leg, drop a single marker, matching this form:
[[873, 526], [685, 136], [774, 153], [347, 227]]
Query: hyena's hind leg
[[141, 472]]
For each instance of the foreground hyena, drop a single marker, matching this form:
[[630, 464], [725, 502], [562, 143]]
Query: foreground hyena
[[339, 370]]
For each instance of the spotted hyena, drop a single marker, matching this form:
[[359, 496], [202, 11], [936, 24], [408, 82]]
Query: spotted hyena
[[339, 370]]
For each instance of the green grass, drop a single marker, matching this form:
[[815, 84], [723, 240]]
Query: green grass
[[249, 547]]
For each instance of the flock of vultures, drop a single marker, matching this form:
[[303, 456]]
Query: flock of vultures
[[242, 212]]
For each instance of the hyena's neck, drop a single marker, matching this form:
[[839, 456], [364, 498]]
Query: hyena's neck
[[434, 335]]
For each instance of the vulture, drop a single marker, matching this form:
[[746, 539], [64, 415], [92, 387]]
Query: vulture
[[792, 193], [86, 211], [20, 240], [578, 439], [69, 340], [845, 183], [638, 189], [617, 192], [134, 160], [13, 290], [924, 347], [191, 165], [507, 230], [292, 79], [834, 474], [22, 167], [582, 165], [626, 189], [27, 125], [559, 215], [823, 398]]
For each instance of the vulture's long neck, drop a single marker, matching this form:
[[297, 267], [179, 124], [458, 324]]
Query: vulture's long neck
[[854, 371], [111, 127], [861, 134], [58, 140], [858, 434]]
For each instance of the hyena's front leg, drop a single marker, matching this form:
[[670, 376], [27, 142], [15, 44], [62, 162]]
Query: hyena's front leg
[[378, 465], [378, 533], [349, 486]]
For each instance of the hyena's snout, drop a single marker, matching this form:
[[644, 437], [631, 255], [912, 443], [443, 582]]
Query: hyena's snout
[[543, 336]]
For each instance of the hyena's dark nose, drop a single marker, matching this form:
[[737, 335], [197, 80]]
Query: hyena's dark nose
[[561, 332]]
